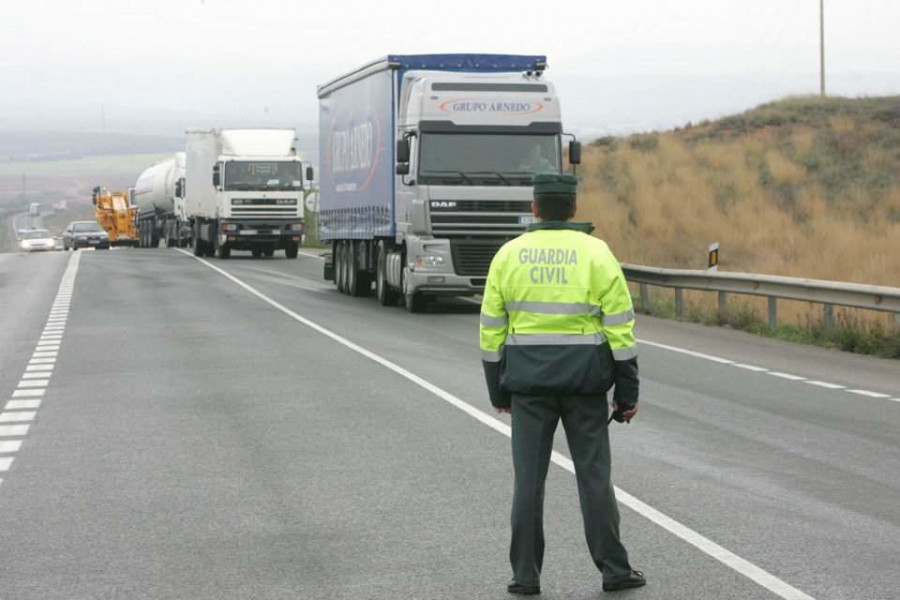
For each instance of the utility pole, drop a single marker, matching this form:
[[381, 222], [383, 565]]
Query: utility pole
[[822, 48]]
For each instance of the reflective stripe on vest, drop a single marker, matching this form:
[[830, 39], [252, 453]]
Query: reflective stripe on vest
[[554, 308], [490, 321], [618, 318], [555, 339]]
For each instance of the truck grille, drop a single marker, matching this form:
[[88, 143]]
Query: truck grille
[[479, 217], [472, 257], [264, 211]]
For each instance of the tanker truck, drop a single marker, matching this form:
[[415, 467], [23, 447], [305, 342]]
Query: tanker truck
[[426, 169], [244, 191], [158, 195]]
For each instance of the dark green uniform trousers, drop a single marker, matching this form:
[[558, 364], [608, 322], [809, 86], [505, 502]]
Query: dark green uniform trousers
[[534, 420]]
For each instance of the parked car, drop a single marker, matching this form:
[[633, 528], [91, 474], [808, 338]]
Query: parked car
[[35, 240], [85, 234]]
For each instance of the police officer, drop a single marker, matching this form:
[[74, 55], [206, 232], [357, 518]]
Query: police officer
[[556, 334]]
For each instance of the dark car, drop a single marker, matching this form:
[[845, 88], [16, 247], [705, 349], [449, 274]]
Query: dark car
[[85, 234]]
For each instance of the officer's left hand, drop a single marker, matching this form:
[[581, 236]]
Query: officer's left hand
[[504, 409], [628, 414]]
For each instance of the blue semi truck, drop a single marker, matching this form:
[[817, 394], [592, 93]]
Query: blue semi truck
[[426, 169]]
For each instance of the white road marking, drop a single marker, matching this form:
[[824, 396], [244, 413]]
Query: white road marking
[[869, 394], [41, 364], [28, 393], [310, 254], [14, 430], [717, 359], [17, 417], [10, 446], [33, 383], [726, 557], [38, 375], [44, 354], [751, 367], [825, 384], [787, 376], [6, 462], [23, 404]]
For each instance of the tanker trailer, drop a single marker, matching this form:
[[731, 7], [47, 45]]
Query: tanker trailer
[[159, 196]]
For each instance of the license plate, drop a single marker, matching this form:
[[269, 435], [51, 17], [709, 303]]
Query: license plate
[[249, 231], [93, 242], [527, 220], [276, 231]]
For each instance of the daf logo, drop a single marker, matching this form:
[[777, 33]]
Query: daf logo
[[442, 204]]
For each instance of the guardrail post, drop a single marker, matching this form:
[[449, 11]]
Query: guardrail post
[[723, 303], [773, 311], [829, 315], [679, 302], [644, 291]]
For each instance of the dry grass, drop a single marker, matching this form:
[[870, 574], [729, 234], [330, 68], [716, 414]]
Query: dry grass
[[804, 188]]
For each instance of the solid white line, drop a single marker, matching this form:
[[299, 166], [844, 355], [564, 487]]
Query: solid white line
[[10, 446], [34, 383], [28, 393], [717, 359], [310, 254], [17, 417], [869, 394], [23, 404], [41, 364], [825, 384], [742, 566], [14, 430], [751, 367], [5, 462], [787, 376]]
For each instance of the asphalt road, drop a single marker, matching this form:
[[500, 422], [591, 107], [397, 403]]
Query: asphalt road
[[199, 439]]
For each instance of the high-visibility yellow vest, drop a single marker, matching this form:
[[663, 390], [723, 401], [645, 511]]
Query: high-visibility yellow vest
[[558, 316]]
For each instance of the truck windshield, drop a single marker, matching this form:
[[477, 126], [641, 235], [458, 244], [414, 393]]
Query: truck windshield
[[479, 158], [259, 175]]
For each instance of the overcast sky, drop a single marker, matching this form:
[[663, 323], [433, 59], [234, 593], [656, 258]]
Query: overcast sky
[[619, 66]]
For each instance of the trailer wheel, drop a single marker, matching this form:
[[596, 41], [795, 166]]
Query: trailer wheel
[[339, 265], [386, 295], [199, 249]]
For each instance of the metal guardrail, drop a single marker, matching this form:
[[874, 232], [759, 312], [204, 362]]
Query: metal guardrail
[[828, 293]]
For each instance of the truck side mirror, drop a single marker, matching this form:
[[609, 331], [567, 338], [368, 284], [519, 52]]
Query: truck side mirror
[[574, 153], [403, 151], [403, 169], [309, 173], [217, 179]]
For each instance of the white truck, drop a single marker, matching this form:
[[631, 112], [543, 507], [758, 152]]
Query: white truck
[[34, 209], [426, 169], [244, 191], [159, 196]]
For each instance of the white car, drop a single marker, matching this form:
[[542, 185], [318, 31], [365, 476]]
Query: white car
[[35, 240]]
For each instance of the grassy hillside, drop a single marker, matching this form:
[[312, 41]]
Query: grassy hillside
[[804, 187]]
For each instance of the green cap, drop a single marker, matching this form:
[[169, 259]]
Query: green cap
[[547, 183]]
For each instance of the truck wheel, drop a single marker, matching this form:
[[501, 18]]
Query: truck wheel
[[291, 250], [199, 250], [224, 251], [256, 252], [414, 302], [352, 269], [341, 265], [269, 252], [386, 295]]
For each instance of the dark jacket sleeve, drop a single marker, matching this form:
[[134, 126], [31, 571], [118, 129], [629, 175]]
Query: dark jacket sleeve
[[626, 392], [499, 398]]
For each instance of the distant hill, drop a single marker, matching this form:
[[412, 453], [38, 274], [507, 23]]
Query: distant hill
[[804, 187], [38, 146]]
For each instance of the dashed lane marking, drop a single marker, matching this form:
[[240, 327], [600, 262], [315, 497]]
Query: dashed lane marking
[[21, 410], [702, 543], [824, 384], [869, 394]]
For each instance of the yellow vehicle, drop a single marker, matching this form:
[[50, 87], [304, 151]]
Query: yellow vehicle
[[116, 215]]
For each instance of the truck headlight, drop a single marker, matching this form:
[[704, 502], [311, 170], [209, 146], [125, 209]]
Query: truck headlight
[[429, 260], [298, 227]]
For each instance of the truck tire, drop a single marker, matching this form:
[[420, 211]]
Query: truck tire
[[384, 293], [199, 250], [224, 251], [269, 251], [342, 267], [338, 266], [256, 252], [291, 250], [414, 302], [352, 264]]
